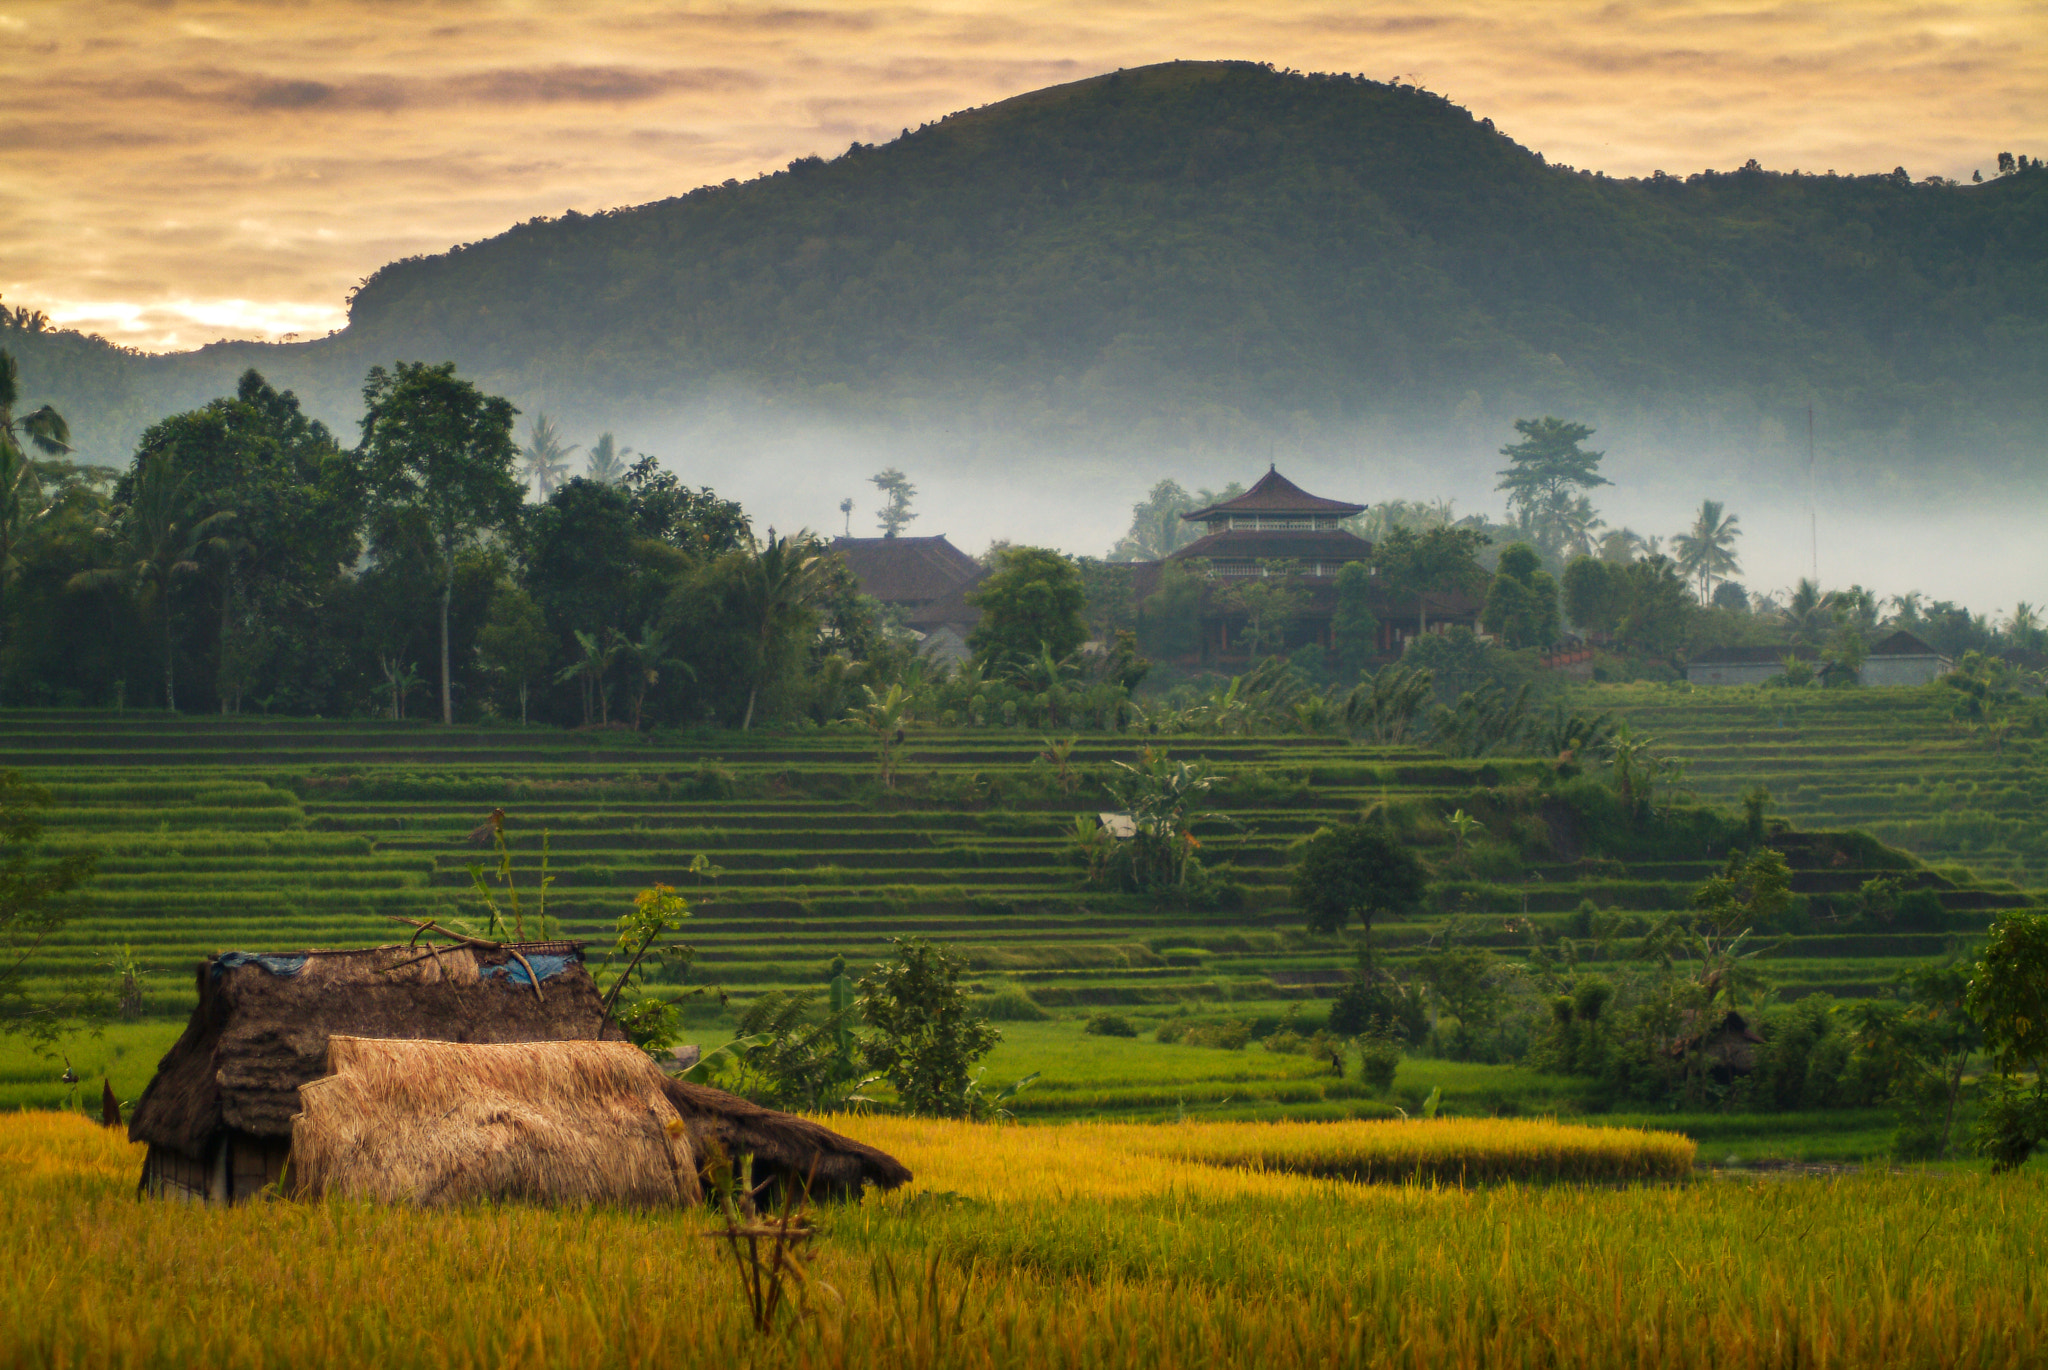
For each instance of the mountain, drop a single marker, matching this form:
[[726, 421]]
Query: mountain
[[1195, 255]]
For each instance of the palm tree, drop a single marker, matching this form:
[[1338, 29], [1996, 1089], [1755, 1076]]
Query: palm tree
[[21, 495], [1574, 525], [2025, 625], [599, 650], [547, 460], [1707, 552], [157, 544], [606, 464], [645, 656], [771, 594]]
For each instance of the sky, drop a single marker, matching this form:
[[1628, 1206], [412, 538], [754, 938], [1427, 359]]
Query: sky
[[173, 173]]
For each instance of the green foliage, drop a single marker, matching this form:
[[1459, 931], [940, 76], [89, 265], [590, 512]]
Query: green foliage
[[1109, 1025], [1375, 1003], [1522, 602], [1546, 474], [1441, 558], [897, 492], [1171, 624], [1163, 799], [38, 897], [2008, 999], [1353, 625], [1358, 870], [1157, 529], [928, 1036], [794, 1057], [438, 455], [1379, 1058], [1031, 603], [1383, 707]]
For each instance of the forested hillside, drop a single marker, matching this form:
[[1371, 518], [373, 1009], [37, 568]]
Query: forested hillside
[[1201, 248]]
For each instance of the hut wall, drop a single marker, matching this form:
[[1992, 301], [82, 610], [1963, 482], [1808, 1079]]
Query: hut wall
[[238, 1166]]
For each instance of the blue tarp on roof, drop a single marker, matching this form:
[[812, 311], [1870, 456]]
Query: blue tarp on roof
[[276, 965], [545, 966]]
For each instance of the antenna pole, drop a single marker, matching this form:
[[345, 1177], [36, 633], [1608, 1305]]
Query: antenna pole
[[1812, 500]]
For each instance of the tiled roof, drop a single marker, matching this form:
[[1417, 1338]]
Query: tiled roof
[[1903, 643], [1330, 545], [907, 570], [1275, 494]]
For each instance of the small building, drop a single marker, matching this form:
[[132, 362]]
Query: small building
[[1743, 665], [1903, 659], [926, 579], [1275, 521], [218, 1117]]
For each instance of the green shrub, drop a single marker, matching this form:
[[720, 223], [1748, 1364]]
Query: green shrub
[[1378, 1058], [1008, 1004], [1109, 1025]]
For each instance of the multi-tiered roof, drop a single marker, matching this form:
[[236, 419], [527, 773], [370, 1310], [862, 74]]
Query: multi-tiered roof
[[1276, 519]]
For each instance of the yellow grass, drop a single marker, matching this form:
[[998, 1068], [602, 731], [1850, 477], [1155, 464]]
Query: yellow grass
[[1125, 1160], [1064, 1246]]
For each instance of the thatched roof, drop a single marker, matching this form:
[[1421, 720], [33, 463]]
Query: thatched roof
[[263, 1022], [448, 1122], [785, 1147]]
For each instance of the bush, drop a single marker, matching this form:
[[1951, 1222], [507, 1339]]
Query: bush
[[1110, 1025], [1380, 1004], [1378, 1058], [1920, 911], [1231, 1035], [1008, 1004]]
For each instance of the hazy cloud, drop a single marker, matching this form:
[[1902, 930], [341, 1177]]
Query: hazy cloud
[[176, 173]]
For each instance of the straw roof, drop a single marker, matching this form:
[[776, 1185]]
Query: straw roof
[[785, 1147], [452, 1122], [262, 1023]]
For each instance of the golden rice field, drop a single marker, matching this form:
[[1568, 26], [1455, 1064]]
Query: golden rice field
[[1086, 1245]]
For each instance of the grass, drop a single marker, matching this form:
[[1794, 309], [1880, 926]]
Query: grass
[[275, 834], [1070, 1246]]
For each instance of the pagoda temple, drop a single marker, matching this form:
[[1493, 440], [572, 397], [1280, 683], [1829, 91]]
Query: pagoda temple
[[1277, 521]]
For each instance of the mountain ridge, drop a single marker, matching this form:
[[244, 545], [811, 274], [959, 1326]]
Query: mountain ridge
[[1193, 255]]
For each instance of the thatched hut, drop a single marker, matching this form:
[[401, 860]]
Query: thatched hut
[[786, 1149], [447, 1122], [218, 1116]]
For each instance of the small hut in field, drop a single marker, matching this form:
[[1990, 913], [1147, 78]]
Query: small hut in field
[[218, 1117], [452, 1122]]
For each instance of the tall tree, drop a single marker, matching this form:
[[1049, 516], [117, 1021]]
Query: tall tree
[[1706, 552], [897, 490], [1522, 602], [44, 430], [772, 597], [297, 503], [157, 540], [545, 458], [1157, 529], [1353, 625], [1031, 603], [1545, 479], [607, 462], [440, 451]]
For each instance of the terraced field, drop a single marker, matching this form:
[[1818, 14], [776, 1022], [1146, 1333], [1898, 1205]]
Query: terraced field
[[260, 833], [1894, 763]]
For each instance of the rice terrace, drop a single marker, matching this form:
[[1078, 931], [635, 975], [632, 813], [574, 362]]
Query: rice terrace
[[1478, 803]]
